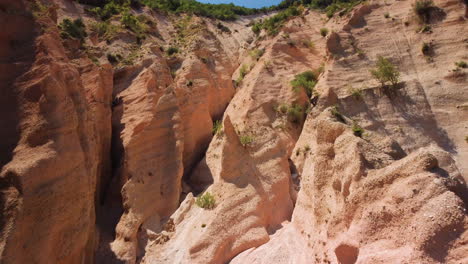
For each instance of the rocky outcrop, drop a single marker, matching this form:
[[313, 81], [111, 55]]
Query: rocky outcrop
[[52, 160], [163, 117], [359, 205]]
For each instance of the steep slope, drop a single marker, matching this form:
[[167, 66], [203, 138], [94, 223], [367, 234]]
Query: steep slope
[[356, 205], [49, 173]]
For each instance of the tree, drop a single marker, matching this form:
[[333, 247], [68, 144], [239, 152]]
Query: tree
[[385, 72]]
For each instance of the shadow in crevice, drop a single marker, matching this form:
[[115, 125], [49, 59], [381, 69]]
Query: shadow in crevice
[[110, 209]]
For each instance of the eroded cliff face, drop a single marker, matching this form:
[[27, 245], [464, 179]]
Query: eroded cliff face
[[107, 142], [57, 137]]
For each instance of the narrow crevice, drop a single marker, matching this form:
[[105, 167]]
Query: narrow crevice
[[110, 208]]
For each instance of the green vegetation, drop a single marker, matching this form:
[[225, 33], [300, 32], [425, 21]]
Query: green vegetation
[[309, 44], [273, 24], [133, 23], [461, 64], [385, 72], [256, 54], [111, 8], [223, 28], [466, 139], [425, 29], [114, 58], [335, 111], [246, 140], [217, 127], [357, 130], [324, 32], [39, 9], [294, 112], [218, 11], [172, 50], [333, 6], [306, 80], [268, 66], [189, 83], [387, 15], [423, 9], [206, 201], [356, 93], [135, 54], [75, 29], [105, 30], [242, 72], [426, 48]]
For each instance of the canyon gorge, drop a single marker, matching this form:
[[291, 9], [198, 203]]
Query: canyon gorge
[[145, 136]]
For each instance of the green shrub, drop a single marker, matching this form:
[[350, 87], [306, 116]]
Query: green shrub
[[206, 201], [324, 32], [336, 113], [295, 113], [256, 54], [242, 72], [267, 64], [189, 83], [172, 50], [114, 59], [461, 64], [217, 127], [218, 11], [111, 8], [73, 29], [426, 48], [246, 140], [331, 7], [133, 23], [309, 44], [105, 30], [306, 80], [223, 28], [423, 8], [273, 24], [357, 130], [282, 109], [385, 72], [425, 29], [387, 15], [356, 93], [257, 28]]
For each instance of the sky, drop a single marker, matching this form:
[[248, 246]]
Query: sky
[[246, 3]]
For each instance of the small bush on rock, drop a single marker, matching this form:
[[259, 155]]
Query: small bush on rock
[[385, 72], [217, 127], [357, 130], [206, 201], [246, 140], [461, 64], [423, 8], [324, 32], [306, 80], [426, 48], [172, 50], [73, 29]]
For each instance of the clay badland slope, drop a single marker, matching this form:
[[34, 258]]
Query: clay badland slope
[[106, 142]]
